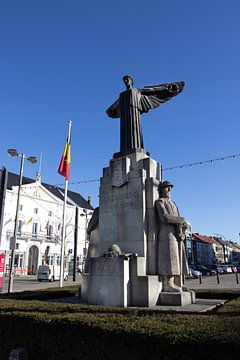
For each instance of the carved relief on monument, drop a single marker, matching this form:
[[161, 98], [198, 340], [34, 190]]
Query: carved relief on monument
[[120, 171]]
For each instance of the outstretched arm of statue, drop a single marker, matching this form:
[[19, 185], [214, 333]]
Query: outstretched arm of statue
[[114, 110], [155, 95], [170, 89]]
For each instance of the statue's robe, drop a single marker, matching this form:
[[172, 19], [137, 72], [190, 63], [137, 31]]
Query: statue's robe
[[129, 107]]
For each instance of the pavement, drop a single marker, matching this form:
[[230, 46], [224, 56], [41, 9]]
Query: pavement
[[200, 306], [228, 282]]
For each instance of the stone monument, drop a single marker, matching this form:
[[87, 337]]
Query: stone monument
[[124, 266]]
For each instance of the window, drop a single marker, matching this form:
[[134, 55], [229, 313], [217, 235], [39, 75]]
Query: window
[[19, 227], [20, 207], [35, 210], [49, 230], [34, 228], [50, 213], [51, 258], [17, 246], [20, 263]]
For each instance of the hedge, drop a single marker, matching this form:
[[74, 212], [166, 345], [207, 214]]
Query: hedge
[[73, 332], [44, 294]]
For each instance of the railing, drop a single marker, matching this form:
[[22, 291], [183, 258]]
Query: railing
[[17, 271], [38, 236]]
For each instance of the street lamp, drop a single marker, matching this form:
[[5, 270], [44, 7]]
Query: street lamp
[[85, 213], [32, 160]]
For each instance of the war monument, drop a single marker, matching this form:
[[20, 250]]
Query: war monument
[[136, 255]]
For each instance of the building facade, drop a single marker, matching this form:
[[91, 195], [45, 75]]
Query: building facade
[[39, 224]]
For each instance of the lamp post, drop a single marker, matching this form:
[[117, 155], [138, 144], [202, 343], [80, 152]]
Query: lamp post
[[32, 160], [85, 239], [86, 214]]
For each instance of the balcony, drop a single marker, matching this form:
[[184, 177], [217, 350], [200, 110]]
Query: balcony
[[42, 237]]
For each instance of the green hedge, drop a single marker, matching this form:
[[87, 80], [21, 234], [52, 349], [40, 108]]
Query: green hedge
[[217, 294], [44, 294], [63, 331]]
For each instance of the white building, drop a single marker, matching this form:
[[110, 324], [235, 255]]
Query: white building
[[40, 223]]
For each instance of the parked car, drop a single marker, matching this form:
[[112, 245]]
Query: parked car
[[50, 273], [194, 274], [217, 268], [226, 269], [204, 270], [233, 267]]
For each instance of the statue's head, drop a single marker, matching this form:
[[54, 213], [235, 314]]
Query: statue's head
[[128, 81], [164, 188]]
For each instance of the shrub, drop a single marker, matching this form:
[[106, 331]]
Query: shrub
[[69, 332]]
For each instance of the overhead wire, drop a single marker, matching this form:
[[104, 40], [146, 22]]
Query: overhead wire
[[211, 161]]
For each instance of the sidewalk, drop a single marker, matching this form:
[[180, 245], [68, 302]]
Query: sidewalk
[[228, 282]]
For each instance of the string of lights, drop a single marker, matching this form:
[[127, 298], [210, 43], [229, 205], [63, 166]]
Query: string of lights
[[211, 161], [202, 162]]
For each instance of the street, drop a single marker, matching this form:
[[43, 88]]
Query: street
[[227, 282], [30, 283]]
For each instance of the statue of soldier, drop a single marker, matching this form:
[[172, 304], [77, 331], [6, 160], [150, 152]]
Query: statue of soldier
[[171, 253]]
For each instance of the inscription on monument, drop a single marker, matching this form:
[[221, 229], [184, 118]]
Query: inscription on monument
[[119, 171], [118, 201], [111, 233], [105, 267]]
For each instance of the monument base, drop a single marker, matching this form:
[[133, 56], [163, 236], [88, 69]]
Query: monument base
[[107, 282], [145, 291], [182, 298], [114, 282]]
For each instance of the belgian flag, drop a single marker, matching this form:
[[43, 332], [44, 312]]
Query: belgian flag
[[64, 166]]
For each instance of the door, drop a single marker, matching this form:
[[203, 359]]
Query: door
[[33, 260]]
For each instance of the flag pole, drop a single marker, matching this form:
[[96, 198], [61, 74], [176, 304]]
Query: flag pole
[[64, 218]]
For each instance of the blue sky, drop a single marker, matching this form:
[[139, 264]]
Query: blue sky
[[64, 60]]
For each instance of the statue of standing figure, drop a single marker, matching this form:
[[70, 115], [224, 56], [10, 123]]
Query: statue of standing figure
[[132, 103], [172, 263]]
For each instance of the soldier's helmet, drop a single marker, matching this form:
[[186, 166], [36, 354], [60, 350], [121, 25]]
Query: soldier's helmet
[[164, 184]]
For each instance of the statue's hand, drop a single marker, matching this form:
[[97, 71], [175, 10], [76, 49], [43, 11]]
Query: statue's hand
[[173, 88], [180, 235]]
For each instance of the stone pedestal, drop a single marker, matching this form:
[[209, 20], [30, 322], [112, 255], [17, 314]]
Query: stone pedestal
[[120, 281], [182, 298], [145, 289], [127, 218], [126, 211], [108, 282]]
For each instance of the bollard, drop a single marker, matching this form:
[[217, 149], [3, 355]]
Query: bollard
[[237, 278], [200, 279], [218, 278]]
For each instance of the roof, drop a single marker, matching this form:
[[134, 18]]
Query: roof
[[73, 197], [205, 239]]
